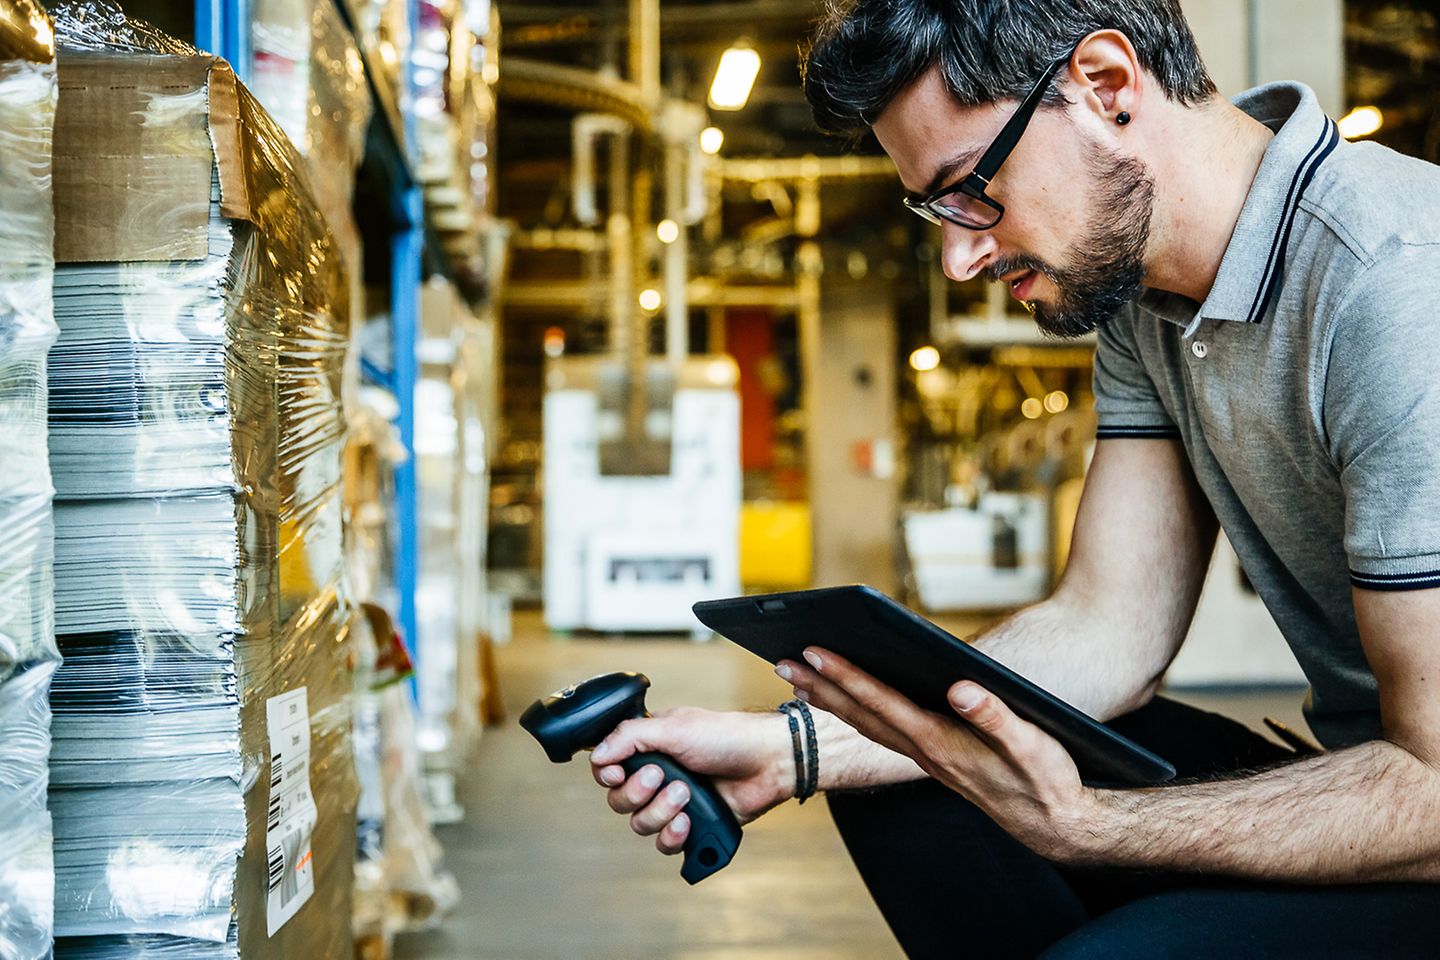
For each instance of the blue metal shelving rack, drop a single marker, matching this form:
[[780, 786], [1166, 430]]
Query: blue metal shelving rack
[[223, 27]]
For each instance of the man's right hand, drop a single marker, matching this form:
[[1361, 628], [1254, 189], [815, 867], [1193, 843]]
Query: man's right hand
[[748, 756]]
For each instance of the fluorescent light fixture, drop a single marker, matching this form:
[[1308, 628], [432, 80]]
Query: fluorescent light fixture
[[734, 78], [925, 358], [667, 230], [1361, 122], [711, 140]]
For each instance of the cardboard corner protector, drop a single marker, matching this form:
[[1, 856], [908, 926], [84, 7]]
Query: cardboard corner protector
[[133, 156]]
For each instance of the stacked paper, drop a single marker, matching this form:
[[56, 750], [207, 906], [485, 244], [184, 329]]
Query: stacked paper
[[146, 764], [140, 369]]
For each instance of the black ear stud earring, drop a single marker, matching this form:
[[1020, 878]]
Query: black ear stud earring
[[1122, 118]]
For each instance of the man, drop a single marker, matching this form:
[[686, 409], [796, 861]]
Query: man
[[1264, 297]]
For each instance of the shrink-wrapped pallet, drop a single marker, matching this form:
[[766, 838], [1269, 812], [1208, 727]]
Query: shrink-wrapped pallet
[[202, 779]]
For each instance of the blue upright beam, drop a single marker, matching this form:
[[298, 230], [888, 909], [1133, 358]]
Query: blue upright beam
[[407, 273], [222, 27], [407, 249]]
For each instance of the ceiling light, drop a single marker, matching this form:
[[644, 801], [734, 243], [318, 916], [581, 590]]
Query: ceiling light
[[1361, 122], [667, 230], [1032, 408], [711, 140], [925, 358], [650, 299], [734, 78]]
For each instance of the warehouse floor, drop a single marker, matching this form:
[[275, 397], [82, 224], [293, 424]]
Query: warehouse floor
[[548, 872]]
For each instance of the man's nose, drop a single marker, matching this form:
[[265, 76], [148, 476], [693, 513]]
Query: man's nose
[[964, 253]]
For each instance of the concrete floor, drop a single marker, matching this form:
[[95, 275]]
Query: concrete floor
[[548, 872]]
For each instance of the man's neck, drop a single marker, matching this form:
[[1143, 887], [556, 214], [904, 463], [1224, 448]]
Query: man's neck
[[1206, 161]]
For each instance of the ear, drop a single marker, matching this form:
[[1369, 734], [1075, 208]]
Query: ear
[[1108, 74]]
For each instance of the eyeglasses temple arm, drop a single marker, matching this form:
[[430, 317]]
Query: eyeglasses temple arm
[[1014, 128]]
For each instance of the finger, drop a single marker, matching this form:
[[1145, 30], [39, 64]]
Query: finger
[[672, 839], [609, 776], [885, 702], [631, 737], [636, 791], [667, 803], [996, 723], [820, 692]]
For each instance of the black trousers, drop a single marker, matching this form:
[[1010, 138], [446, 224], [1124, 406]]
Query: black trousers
[[952, 884]]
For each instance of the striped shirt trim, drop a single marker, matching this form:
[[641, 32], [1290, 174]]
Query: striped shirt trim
[[1157, 433], [1275, 263], [1396, 581]]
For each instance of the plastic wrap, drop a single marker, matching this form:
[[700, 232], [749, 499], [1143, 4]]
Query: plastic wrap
[[400, 881], [28, 654], [384, 30], [450, 467], [306, 70], [454, 59], [203, 766]]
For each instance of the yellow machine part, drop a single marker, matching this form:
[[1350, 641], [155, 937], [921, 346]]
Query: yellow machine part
[[775, 544]]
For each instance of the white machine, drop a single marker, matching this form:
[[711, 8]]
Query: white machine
[[640, 523], [992, 556]]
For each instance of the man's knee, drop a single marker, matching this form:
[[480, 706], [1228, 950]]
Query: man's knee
[[1139, 931]]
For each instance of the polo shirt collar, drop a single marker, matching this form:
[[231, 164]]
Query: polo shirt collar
[[1254, 260]]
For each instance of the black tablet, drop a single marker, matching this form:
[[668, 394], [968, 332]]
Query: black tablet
[[921, 661]]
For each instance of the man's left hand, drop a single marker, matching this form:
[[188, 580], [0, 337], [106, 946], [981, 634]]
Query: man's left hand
[[1017, 773]]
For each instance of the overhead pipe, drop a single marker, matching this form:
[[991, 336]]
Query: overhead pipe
[[680, 126], [585, 132]]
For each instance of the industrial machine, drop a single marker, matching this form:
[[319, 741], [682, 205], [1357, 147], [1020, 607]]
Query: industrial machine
[[642, 491]]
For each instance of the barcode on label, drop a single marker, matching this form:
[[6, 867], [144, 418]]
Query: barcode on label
[[290, 815], [277, 866]]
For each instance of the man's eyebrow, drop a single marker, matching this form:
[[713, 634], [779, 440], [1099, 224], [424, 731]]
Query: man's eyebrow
[[946, 173]]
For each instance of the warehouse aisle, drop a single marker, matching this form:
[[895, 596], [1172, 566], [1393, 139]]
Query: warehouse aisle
[[547, 872]]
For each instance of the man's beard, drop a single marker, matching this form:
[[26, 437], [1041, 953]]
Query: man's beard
[[1107, 274]]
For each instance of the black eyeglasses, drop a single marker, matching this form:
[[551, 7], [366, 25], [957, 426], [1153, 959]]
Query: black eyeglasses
[[966, 203]]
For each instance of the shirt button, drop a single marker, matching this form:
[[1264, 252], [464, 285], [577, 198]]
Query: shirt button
[[1199, 349]]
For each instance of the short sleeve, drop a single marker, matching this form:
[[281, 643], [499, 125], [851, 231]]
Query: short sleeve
[[1382, 419], [1126, 403]]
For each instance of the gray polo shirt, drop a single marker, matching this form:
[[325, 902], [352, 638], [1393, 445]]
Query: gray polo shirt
[[1306, 389]]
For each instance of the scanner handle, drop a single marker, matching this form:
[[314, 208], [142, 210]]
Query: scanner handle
[[714, 832]]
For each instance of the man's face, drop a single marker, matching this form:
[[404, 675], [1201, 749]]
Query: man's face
[[1077, 215]]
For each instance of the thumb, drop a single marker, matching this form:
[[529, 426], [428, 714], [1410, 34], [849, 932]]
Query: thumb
[[983, 710]]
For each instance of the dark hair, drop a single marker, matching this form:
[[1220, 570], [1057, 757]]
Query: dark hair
[[865, 52]]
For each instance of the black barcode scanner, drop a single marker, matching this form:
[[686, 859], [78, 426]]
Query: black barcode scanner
[[580, 716]]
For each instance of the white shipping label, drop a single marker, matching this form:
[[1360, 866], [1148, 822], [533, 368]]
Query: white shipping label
[[290, 821]]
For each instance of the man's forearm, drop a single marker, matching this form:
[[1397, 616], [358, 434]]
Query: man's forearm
[[1100, 666], [1364, 814]]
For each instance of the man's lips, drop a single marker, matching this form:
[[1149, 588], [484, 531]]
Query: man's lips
[[1021, 283]]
